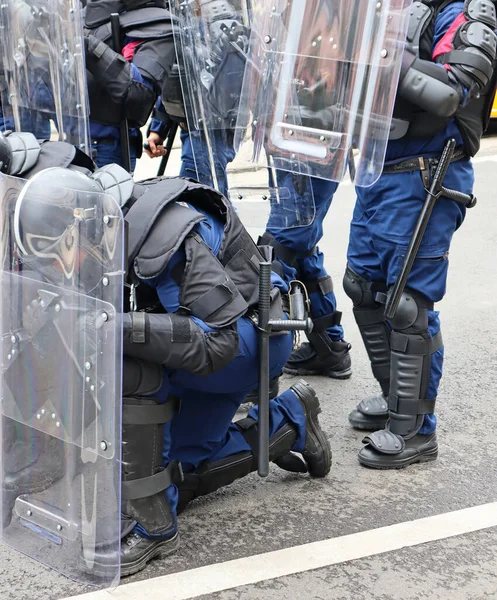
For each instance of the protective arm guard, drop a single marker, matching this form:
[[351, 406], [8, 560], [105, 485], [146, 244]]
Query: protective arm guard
[[177, 342], [113, 73], [468, 66], [430, 87]]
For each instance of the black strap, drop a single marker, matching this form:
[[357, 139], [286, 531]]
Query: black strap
[[408, 407], [415, 344], [323, 323], [285, 254], [323, 285], [155, 484], [181, 329], [462, 57], [249, 431], [150, 414], [217, 297], [138, 327]]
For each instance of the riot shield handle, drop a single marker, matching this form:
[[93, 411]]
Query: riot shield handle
[[265, 327], [123, 126], [435, 191]]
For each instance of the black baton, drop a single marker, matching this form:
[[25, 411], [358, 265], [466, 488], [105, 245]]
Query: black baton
[[171, 135], [265, 327], [123, 126], [436, 190]]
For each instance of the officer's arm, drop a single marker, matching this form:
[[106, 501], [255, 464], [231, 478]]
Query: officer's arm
[[160, 121], [464, 58], [121, 80], [178, 340]]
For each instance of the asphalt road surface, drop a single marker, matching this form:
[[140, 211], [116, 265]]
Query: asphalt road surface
[[425, 532]]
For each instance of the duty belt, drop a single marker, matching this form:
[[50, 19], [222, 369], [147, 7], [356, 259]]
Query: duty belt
[[422, 164]]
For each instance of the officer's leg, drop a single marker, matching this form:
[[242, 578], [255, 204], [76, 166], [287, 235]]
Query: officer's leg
[[215, 452], [108, 151], [296, 251], [149, 496], [198, 158], [362, 282], [202, 433], [416, 345]]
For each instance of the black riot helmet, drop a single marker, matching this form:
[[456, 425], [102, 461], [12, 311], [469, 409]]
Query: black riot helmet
[[57, 214]]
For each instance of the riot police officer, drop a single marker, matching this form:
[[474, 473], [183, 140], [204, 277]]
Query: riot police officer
[[125, 85], [446, 87], [190, 348], [295, 248]]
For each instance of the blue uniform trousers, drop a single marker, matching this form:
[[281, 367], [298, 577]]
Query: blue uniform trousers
[[382, 224], [203, 428], [302, 240], [108, 151], [196, 162]]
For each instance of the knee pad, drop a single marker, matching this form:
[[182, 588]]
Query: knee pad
[[359, 289], [412, 313], [370, 318]]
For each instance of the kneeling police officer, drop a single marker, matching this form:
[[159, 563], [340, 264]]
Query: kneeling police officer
[[190, 347]]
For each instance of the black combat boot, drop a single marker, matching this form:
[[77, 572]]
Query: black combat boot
[[385, 450], [333, 361], [316, 456], [370, 414], [317, 450]]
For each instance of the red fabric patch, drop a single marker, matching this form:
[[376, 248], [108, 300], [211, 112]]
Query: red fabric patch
[[129, 50], [445, 44]]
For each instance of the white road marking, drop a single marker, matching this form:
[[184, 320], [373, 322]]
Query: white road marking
[[270, 565]]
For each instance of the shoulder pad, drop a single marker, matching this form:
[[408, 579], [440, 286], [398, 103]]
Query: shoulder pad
[[139, 22], [164, 239], [420, 15]]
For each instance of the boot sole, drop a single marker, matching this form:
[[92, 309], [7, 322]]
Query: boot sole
[[313, 409], [165, 549], [345, 374], [420, 458]]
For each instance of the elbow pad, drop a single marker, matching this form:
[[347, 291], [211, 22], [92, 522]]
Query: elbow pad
[[139, 102], [429, 86], [474, 46], [177, 342], [472, 60]]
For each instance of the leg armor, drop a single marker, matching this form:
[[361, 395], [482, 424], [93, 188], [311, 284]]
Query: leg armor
[[399, 444], [371, 413], [410, 370], [144, 477], [370, 319], [210, 476]]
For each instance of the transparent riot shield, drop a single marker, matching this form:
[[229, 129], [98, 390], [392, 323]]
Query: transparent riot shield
[[320, 85], [212, 43], [61, 364], [43, 76]]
